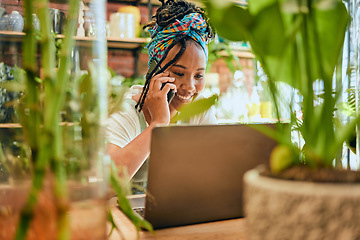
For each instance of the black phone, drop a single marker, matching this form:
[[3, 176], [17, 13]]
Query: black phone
[[171, 93]]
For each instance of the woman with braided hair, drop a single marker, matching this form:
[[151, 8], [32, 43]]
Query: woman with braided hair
[[178, 57]]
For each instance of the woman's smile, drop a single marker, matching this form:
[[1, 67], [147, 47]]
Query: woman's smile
[[184, 98]]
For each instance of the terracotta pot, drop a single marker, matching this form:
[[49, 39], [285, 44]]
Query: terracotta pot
[[87, 214], [282, 209]]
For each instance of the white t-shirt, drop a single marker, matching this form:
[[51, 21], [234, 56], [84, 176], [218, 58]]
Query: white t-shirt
[[123, 126]]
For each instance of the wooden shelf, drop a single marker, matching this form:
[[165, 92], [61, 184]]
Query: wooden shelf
[[133, 2], [66, 1], [18, 125], [112, 42], [244, 54], [11, 36], [128, 43], [197, 2], [157, 3], [241, 52], [10, 125], [153, 2]]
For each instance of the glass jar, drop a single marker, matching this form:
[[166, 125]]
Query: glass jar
[[53, 109]]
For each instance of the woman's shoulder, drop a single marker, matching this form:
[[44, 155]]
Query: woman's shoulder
[[133, 91]]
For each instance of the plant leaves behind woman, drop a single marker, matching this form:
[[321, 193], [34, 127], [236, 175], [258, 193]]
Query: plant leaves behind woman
[[296, 42]]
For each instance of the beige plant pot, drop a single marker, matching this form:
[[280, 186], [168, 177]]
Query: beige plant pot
[[281, 209]]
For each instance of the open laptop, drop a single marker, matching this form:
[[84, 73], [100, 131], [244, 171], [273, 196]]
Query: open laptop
[[196, 172]]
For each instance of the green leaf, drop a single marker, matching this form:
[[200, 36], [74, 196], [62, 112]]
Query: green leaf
[[281, 132], [268, 37], [342, 134], [297, 42], [112, 222], [256, 7], [13, 86], [195, 108], [226, 21], [331, 26], [125, 206]]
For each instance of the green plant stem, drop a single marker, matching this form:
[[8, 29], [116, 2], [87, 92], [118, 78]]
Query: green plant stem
[[2, 159], [61, 193], [47, 41], [28, 211], [329, 103], [31, 122], [33, 119], [338, 75], [52, 116], [309, 93], [48, 136]]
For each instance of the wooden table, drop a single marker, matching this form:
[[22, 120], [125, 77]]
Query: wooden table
[[224, 230]]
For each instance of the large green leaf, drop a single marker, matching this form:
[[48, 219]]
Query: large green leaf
[[195, 108], [259, 5], [331, 26], [226, 21], [268, 33]]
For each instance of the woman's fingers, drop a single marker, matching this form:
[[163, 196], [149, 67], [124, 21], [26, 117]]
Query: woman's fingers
[[167, 86], [157, 82]]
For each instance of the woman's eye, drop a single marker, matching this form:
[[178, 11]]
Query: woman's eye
[[179, 74], [199, 76]]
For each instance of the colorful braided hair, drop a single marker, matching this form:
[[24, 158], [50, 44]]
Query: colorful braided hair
[[168, 16]]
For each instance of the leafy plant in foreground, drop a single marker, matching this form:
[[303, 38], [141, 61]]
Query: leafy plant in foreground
[[49, 141]]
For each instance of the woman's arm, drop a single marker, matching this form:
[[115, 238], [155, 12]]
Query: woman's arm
[[133, 155], [156, 111]]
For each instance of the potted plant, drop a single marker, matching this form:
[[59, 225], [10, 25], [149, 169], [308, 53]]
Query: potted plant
[[53, 150], [299, 43]]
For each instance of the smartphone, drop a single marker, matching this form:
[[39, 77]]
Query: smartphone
[[171, 93]]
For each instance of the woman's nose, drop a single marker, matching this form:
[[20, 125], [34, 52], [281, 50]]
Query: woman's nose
[[189, 84]]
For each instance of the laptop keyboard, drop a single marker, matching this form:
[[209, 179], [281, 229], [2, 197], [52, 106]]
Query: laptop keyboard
[[139, 211]]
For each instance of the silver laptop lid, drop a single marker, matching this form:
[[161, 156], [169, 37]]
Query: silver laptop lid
[[195, 172]]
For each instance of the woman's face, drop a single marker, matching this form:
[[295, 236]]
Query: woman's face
[[188, 71]]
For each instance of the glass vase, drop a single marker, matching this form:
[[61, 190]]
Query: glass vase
[[53, 107]]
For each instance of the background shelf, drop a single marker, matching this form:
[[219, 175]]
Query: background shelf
[[112, 42], [11, 36]]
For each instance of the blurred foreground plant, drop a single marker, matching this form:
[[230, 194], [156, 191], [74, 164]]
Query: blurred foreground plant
[[61, 117]]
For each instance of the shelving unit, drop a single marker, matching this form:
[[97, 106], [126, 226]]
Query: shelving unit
[[128, 44], [113, 42], [122, 43]]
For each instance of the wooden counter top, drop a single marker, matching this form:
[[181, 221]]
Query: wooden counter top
[[227, 229]]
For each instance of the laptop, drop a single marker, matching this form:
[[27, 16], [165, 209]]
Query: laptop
[[196, 172]]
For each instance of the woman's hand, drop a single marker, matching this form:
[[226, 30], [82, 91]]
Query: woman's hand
[[156, 99]]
